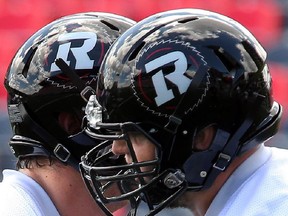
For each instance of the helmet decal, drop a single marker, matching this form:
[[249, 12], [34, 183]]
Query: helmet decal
[[76, 49], [82, 59], [169, 67]]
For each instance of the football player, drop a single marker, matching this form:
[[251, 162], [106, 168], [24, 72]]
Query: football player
[[184, 97], [49, 82]]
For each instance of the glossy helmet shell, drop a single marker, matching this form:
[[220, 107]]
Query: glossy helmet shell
[[38, 90], [167, 77], [182, 70]]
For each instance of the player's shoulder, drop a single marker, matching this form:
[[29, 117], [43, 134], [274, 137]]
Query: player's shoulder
[[279, 154], [14, 187], [277, 165], [21, 195], [14, 200]]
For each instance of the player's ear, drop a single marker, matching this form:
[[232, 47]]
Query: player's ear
[[69, 122], [203, 138]]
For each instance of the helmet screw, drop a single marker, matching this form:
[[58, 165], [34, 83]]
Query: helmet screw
[[203, 174], [185, 132]]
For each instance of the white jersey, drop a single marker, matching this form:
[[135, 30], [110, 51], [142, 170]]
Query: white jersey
[[259, 186], [20, 195], [143, 210]]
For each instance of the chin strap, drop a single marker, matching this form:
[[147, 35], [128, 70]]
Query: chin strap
[[226, 155], [85, 91], [23, 146], [167, 195], [207, 165], [175, 120], [183, 107]]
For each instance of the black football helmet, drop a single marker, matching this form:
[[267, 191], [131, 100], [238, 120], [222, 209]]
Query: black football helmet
[[167, 77], [49, 82]]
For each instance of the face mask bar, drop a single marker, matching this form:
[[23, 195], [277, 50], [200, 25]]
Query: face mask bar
[[101, 162], [134, 197], [102, 171]]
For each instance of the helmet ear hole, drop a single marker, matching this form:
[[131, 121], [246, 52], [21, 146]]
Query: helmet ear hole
[[70, 123], [203, 138]]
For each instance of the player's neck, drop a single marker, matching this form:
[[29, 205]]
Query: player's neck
[[66, 189], [199, 202]]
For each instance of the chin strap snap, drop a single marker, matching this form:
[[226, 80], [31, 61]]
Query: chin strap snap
[[23, 146]]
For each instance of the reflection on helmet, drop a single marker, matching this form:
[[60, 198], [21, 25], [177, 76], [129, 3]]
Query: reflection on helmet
[[168, 76], [48, 82]]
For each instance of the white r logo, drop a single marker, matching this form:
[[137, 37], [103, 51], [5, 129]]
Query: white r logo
[[177, 77], [80, 53]]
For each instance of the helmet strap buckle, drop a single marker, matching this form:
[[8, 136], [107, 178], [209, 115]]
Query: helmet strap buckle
[[222, 161], [86, 93], [173, 124], [61, 152]]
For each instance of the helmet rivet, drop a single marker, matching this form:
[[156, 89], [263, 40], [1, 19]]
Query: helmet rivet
[[203, 174], [185, 132]]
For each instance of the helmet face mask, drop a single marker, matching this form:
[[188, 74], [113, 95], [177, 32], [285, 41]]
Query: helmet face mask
[[169, 76], [134, 173], [128, 176], [49, 79]]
